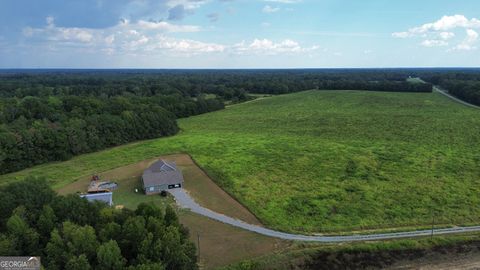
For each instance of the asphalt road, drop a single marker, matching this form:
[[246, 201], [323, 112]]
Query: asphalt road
[[185, 201], [445, 93]]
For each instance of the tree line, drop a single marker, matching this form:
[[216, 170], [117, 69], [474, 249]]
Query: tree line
[[462, 83], [68, 232], [53, 115], [39, 129], [227, 84]]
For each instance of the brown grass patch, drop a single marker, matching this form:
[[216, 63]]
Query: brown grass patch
[[222, 244]]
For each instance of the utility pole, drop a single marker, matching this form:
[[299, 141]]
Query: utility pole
[[433, 223], [198, 245]]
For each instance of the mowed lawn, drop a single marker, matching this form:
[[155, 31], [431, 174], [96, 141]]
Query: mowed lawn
[[325, 161]]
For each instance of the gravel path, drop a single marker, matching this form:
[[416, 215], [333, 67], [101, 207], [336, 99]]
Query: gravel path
[[185, 201]]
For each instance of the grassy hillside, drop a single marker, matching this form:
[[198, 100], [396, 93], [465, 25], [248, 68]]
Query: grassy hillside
[[326, 160]]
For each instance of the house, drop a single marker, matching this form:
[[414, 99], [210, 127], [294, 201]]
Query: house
[[105, 197], [160, 176]]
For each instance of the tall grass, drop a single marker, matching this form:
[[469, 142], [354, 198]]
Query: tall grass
[[321, 161]]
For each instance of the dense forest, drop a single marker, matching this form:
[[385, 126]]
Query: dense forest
[[464, 84], [58, 118], [40, 129], [72, 233], [51, 115], [226, 84]]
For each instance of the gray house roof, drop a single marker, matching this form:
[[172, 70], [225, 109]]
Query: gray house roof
[[163, 166], [103, 197], [161, 173]]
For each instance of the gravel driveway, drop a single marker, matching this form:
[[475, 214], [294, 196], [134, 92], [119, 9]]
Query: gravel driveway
[[185, 201]]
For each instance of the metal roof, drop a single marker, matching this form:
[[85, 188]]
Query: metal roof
[[161, 173], [103, 197], [162, 166]]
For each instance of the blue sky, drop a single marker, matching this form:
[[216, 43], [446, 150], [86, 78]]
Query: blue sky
[[239, 33]]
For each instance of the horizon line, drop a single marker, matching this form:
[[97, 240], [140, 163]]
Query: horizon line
[[236, 68]]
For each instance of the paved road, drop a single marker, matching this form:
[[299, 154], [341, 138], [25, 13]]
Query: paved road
[[185, 201], [445, 93]]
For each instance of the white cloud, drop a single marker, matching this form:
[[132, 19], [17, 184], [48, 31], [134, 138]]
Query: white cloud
[[434, 43], [60, 34], [150, 38], [401, 34], [91, 36], [165, 26], [437, 33], [268, 47], [50, 20], [468, 43], [53, 32], [270, 9], [125, 36], [110, 39], [185, 46], [446, 35], [446, 23]]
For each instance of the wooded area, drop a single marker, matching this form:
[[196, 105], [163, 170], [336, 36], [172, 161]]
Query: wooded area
[[464, 84], [71, 233]]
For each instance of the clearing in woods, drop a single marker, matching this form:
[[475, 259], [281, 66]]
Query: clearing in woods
[[325, 161]]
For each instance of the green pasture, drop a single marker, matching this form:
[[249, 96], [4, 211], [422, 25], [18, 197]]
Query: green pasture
[[325, 161]]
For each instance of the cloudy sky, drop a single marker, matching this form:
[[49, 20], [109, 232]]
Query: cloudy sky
[[239, 33]]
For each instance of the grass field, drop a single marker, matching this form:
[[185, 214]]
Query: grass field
[[323, 161]]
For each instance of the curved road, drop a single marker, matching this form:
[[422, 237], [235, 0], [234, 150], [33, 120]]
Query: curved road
[[185, 201]]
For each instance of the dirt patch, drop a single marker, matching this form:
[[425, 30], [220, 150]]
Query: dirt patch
[[197, 183], [221, 244], [119, 175]]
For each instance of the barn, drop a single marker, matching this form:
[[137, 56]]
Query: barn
[[160, 176]]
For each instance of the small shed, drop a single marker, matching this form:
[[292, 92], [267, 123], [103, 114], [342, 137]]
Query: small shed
[[105, 197], [160, 176]]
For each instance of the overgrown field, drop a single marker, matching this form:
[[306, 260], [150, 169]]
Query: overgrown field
[[320, 161]]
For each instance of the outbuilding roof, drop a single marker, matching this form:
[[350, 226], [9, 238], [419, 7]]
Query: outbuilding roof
[[161, 173], [103, 197]]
